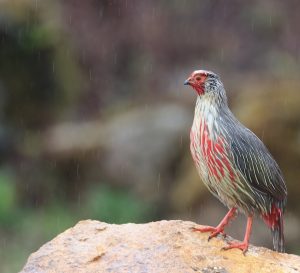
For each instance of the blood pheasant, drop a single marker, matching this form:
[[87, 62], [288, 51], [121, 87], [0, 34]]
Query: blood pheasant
[[233, 163]]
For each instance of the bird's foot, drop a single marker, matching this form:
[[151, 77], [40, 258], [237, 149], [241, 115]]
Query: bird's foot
[[242, 246], [214, 231]]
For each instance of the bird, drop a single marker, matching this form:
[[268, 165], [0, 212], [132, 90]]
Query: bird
[[234, 164]]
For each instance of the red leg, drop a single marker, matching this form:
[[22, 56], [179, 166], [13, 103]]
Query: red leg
[[245, 244], [214, 231]]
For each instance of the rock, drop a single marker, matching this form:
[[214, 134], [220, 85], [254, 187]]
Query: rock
[[164, 246], [149, 137]]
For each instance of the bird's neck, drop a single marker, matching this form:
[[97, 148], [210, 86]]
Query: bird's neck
[[209, 112], [207, 106]]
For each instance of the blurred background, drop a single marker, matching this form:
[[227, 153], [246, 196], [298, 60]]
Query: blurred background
[[94, 117]]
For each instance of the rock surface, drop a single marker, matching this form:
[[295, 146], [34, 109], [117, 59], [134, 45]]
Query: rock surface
[[165, 246]]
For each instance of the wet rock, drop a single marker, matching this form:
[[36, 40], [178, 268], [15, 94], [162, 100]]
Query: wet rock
[[165, 246]]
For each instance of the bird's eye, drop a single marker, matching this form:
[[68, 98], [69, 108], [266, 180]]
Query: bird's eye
[[198, 78]]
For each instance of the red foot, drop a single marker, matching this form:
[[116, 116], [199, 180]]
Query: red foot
[[214, 231], [245, 244], [242, 246]]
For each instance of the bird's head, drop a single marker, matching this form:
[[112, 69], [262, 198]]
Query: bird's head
[[204, 82]]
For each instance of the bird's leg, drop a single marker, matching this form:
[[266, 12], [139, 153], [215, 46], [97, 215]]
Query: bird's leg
[[214, 231], [245, 244]]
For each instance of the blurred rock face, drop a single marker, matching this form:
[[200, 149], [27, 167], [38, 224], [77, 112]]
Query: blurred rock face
[[143, 143], [137, 146]]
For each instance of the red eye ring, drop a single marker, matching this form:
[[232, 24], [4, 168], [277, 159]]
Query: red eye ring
[[198, 78]]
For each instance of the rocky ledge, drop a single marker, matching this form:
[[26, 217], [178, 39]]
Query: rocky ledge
[[164, 246]]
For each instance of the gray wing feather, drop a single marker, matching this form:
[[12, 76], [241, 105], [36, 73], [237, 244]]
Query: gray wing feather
[[256, 164]]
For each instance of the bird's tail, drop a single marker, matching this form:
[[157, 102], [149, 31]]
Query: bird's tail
[[274, 220], [277, 234]]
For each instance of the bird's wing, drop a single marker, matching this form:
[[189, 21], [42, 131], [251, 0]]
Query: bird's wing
[[256, 164]]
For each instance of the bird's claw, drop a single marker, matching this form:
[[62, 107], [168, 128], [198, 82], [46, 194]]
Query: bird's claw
[[242, 246], [214, 231]]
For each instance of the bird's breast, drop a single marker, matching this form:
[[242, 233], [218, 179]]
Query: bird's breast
[[210, 153]]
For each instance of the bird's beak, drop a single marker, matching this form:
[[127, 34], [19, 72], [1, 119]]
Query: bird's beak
[[187, 82]]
